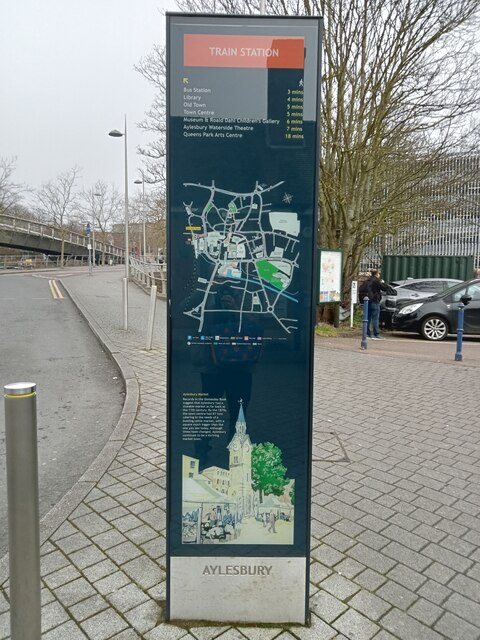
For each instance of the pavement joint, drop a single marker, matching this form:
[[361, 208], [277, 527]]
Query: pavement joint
[[395, 545]]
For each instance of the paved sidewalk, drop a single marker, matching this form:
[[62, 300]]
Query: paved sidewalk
[[396, 500], [411, 345]]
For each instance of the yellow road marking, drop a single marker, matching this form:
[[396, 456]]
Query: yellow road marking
[[58, 289], [56, 293]]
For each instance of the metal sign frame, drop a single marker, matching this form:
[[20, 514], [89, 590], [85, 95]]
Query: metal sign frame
[[243, 104]]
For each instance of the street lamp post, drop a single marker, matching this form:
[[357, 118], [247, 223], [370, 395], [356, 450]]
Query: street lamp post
[[142, 182], [118, 134], [94, 261], [97, 195], [89, 247]]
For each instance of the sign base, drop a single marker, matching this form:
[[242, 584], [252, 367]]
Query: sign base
[[238, 589]]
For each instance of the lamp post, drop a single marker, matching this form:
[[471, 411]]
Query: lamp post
[[89, 247], [142, 182], [97, 195], [118, 134]]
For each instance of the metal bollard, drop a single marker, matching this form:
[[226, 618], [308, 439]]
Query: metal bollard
[[461, 314], [23, 515], [125, 304], [363, 344], [151, 317]]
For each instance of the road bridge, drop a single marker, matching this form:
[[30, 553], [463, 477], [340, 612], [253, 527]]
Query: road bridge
[[30, 235]]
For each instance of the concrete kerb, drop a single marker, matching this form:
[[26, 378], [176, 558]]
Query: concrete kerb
[[70, 501]]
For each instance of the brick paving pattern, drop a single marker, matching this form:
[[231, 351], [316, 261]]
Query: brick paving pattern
[[395, 547]]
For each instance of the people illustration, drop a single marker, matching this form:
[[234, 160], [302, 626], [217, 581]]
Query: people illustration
[[271, 522]]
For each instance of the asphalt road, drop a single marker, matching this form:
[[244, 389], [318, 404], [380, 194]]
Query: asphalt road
[[80, 393]]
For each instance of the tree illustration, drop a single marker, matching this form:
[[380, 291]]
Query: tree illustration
[[292, 493], [268, 472]]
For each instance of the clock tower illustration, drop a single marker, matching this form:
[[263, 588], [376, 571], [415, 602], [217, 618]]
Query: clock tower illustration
[[240, 450]]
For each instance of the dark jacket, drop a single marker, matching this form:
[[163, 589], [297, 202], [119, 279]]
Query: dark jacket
[[375, 288]]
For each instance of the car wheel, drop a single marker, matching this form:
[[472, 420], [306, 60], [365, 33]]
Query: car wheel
[[434, 328]]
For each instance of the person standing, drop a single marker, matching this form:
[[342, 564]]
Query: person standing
[[375, 286]]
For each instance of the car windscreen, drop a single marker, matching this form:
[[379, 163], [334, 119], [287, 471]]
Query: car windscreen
[[472, 290], [450, 290]]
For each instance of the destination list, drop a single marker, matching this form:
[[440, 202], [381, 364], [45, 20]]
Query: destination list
[[202, 120]]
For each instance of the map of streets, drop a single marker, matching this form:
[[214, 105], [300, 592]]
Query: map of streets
[[246, 254]]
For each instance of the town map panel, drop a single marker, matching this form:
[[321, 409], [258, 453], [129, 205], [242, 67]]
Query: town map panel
[[247, 245], [242, 159]]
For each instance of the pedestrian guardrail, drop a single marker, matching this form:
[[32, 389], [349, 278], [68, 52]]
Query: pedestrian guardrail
[[21, 262], [149, 274]]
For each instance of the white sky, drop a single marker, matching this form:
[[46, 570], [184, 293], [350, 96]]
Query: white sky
[[67, 79]]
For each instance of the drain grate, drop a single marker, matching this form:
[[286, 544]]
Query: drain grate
[[327, 447]]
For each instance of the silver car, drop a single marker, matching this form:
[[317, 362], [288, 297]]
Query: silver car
[[411, 289]]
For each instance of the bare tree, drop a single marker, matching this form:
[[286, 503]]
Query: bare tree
[[102, 206], [399, 83], [156, 220], [10, 192], [152, 67], [400, 80], [56, 203], [147, 212]]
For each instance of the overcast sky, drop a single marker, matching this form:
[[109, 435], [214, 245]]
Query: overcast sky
[[67, 79]]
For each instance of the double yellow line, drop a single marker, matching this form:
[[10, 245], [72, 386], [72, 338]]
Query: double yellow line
[[56, 293]]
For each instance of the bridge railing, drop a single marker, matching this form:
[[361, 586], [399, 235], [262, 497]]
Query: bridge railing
[[34, 228], [147, 274], [9, 262]]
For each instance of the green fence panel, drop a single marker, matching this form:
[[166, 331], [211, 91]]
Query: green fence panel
[[403, 267]]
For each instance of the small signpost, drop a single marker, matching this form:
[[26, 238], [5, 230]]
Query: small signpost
[[242, 151], [353, 300]]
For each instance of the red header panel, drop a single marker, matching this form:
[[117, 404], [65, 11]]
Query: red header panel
[[261, 52]]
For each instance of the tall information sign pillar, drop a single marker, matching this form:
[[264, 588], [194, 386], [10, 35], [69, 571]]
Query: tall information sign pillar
[[243, 105]]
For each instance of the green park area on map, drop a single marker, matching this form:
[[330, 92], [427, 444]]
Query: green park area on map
[[267, 271]]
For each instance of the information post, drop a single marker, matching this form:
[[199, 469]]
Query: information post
[[242, 151]]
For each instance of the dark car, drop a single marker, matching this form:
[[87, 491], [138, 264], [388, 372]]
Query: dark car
[[434, 318], [411, 289]]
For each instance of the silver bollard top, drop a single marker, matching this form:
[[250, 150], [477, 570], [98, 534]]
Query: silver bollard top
[[20, 388]]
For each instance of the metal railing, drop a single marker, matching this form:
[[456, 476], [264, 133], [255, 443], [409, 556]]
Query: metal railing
[[38, 229], [22, 262], [148, 274]]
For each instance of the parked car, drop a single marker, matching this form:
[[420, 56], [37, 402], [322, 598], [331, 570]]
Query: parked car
[[436, 317], [411, 289]]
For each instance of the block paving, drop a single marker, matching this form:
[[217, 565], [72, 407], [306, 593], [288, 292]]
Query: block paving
[[395, 547]]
